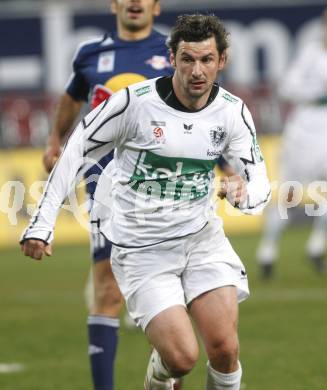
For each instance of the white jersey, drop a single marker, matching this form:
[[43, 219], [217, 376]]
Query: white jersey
[[161, 178]]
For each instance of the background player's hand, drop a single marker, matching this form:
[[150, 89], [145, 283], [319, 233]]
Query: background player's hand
[[233, 188], [36, 249], [51, 154]]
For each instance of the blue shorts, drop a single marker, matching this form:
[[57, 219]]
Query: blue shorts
[[100, 247]]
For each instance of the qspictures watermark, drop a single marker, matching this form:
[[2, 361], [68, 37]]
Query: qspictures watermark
[[289, 194]]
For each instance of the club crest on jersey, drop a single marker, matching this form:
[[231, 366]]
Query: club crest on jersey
[[158, 132], [158, 62], [217, 136], [106, 62]]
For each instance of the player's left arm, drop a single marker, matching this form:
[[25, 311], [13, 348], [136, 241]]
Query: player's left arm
[[244, 156]]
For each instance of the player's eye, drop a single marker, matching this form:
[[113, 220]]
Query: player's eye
[[187, 60], [207, 60]]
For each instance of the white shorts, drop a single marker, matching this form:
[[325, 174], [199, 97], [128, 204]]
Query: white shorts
[[175, 272], [303, 154]]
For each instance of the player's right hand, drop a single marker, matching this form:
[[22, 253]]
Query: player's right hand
[[51, 155], [36, 249]]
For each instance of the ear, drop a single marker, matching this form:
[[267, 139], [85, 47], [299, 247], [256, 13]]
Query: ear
[[156, 8], [222, 60], [113, 7], [172, 59]]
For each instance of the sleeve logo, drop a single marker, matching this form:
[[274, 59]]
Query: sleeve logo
[[142, 91]]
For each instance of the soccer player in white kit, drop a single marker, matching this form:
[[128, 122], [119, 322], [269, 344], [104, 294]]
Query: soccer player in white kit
[[170, 256], [303, 152]]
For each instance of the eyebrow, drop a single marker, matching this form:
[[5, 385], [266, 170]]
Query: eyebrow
[[191, 56]]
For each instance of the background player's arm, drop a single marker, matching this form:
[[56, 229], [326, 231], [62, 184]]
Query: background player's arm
[[67, 111]]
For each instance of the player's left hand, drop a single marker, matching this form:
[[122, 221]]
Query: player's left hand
[[36, 249], [233, 188]]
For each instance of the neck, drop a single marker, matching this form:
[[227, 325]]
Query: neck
[[127, 35], [195, 103]]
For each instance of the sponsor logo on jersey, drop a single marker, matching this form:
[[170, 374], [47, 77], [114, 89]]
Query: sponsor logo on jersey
[[106, 62], [217, 136], [174, 178], [142, 91], [158, 62], [229, 97]]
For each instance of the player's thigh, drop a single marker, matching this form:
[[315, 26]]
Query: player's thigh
[[215, 314]]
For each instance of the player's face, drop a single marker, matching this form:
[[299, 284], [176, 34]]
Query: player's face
[[135, 15], [196, 68]]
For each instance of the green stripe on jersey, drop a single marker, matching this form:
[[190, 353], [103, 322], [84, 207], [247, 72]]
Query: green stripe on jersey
[[171, 177]]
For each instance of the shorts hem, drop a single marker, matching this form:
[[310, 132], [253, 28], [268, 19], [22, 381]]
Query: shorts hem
[[242, 292]]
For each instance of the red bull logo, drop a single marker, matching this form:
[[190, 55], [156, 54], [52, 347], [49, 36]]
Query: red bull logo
[[116, 83]]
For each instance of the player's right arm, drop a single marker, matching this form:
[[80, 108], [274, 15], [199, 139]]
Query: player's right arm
[[67, 111], [97, 134]]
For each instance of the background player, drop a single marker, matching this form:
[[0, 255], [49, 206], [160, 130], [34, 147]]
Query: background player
[[101, 67], [303, 151]]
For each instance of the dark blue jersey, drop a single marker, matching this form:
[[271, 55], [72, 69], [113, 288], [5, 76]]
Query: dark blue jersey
[[114, 64], [105, 65]]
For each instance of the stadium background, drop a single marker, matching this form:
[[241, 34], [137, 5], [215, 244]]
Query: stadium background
[[283, 347]]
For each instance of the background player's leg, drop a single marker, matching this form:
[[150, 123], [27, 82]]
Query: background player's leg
[[268, 249], [103, 322], [216, 315], [316, 246]]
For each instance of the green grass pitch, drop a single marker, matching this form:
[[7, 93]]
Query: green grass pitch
[[283, 326]]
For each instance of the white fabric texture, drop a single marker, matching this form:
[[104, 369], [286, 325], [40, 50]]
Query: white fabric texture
[[219, 381], [175, 272], [162, 175]]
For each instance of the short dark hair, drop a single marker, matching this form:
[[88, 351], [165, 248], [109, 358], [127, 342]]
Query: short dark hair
[[197, 28]]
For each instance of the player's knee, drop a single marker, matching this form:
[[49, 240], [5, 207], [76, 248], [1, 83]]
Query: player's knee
[[108, 298], [181, 363], [224, 351]]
